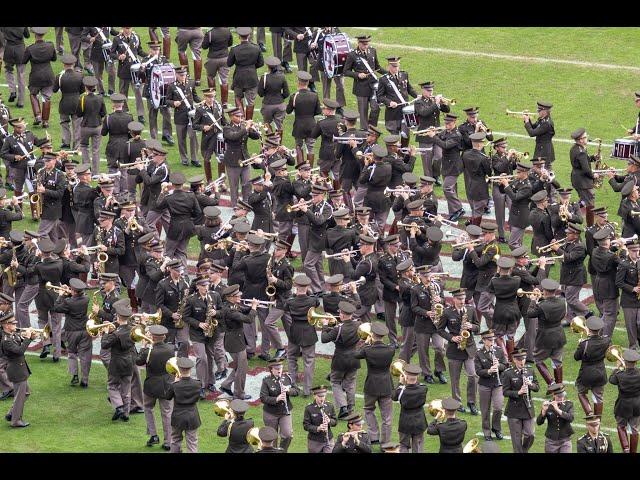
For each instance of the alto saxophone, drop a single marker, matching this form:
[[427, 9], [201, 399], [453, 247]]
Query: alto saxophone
[[438, 308], [465, 334], [211, 322], [12, 272], [179, 323]]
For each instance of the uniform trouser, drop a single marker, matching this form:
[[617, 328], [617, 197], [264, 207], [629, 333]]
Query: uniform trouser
[[75, 41], [85, 46], [478, 207], [286, 54], [597, 393], [91, 134], [119, 183], [386, 412], [343, 386], [167, 129], [390, 319], [307, 142], [219, 353], [455, 367], [136, 389], [320, 447], [238, 178], [424, 340], [450, 189], [522, 433], [182, 131], [123, 87], [79, 349], [177, 249], [313, 269], [166, 407], [303, 239], [274, 113], [98, 70], [361, 192], [431, 160], [574, 305], [69, 124], [381, 219], [180, 338], [491, 403], [24, 296], [499, 202], [562, 445], [411, 442], [515, 239], [11, 80], [632, 322], [120, 392], [363, 313], [19, 397], [59, 38], [301, 61], [48, 228], [529, 337], [204, 362], [270, 331], [408, 343], [191, 38], [164, 217], [191, 436], [68, 231], [238, 375], [608, 309], [368, 118], [308, 355], [284, 229], [5, 384], [251, 335], [55, 320], [280, 423], [326, 88], [485, 307]]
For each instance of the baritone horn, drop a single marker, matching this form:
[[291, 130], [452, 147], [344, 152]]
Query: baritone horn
[[137, 335], [436, 409], [315, 318], [397, 367], [94, 329], [578, 325], [614, 354], [253, 438], [172, 366], [472, 446]]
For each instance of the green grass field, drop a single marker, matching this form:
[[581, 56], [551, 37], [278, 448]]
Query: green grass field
[[595, 97]]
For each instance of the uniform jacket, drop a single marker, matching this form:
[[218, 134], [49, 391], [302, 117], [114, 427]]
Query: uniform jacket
[[115, 126], [269, 391], [75, 310], [511, 384], [591, 352], [185, 213], [451, 433], [352, 447], [203, 118], [540, 221], [367, 268], [483, 361], [152, 177], [262, 203], [326, 129], [247, 57], [451, 326], [318, 216], [543, 130], [558, 424], [601, 444], [237, 435], [485, 262], [300, 332], [91, 109], [234, 316], [217, 42], [376, 177], [305, 104], [387, 94], [186, 394], [195, 312], [345, 337], [581, 174], [122, 351], [313, 419], [354, 65], [14, 44], [428, 113], [628, 402], [40, 54], [504, 287], [158, 382], [476, 166], [118, 47], [252, 269], [605, 263], [451, 143], [378, 357], [469, 276], [411, 399], [519, 192], [69, 84], [236, 138], [181, 112], [12, 347], [628, 278]]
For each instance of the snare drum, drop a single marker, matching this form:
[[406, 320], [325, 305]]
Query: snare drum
[[624, 148], [409, 116], [106, 52], [135, 74], [221, 145], [336, 47], [162, 77]]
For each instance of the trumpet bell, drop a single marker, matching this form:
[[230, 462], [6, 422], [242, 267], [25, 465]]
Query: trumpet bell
[[253, 438], [315, 318], [397, 367], [472, 446]]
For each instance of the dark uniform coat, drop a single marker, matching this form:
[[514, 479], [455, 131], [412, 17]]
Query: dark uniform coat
[[543, 130], [186, 394], [345, 337], [451, 326], [378, 357], [12, 347], [305, 104], [69, 83], [40, 54], [247, 57], [628, 402], [185, 213], [122, 351], [158, 382], [451, 433], [411, 399], [592, 352], [511, 384], [519, 192]]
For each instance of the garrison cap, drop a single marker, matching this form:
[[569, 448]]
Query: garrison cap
[[565, 191], [231, 290], [241, 227], [549, 285], [409, 178], [68, 59], [118, 98], [319, 389], [304, 76], [336, 194], [519, 252], [434, 234], [43, 143], [203, 281], [177, 178], [185, 362], [156, 147], [451, 404], [77, 284], [135, 126], [341, 213], [574, 228], [601, 234], [391, 139], [412, 369], [350, 115], [175, 264], [543, 105], [334, 279], [404, 265], [239, 406], [267, 434], [59, 246], [473, 230], [255, 239], [4, 298], [449, 117], [488, 334], [539, 161], [539, 196], [519, 353], [471, 110], [630, 355], [594, 323], [243, 31], [523, 166], [477, 137], [211, 211], [278, 164], [302, 280], [366, 239], [364, 38], [576, 134], [272, 61], [153, 44], [459, 292], [259, 180], [46, 245], [415, 204], [40, 30], [158, 330], [90, 81], [424, 269], [488, 227], [347, 307], [379, 328], [329, 103], [506, 262], [627, 189], [379, 151], [216, 268]]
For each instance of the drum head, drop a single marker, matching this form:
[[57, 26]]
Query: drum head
[[162, 76], [330, 56]]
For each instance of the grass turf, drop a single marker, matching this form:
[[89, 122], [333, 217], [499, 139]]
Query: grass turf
[[597, 99]]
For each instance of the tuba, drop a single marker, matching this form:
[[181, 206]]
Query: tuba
[[472, 446], [614, 354], [315, 318], [578, 325]]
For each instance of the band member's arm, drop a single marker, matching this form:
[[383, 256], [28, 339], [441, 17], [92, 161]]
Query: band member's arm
[[119, 247], [108, 340], [621, 274], [11, 346], [535, 386], [540, 129], [329, 334], [338, 448], [348, 70], [521, 194], [141, 359], [365, 445], [453, 141], [223, 428], [443, 330], [507, 391], [188, 314], [415, 304], [433, 428], [541, 418], [61, 305]]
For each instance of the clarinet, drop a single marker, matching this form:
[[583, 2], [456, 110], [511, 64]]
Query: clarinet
[[527, 397], [286, 405], [493, 360], [325, 419]]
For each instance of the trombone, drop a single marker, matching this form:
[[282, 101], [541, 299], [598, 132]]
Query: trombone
[[315, 318], [261, 303], [511, 113], [296, 207], [548, 248], [351, 253]]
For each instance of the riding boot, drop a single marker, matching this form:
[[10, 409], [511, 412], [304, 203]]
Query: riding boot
[[336, 184], [211, 81], [299, 155], [239, 104], [624, 438], [310, 158], [224, 95], [249, 112], [197, 71], [511, 346], [153, 35], [166, 47], [394, 228], [633, 448], [589, 215], [182, 57], [46, 110], [544, 371], [207, 170], [586, 405], [500, 343], [35, 106], [557, 374], [290, 240], [284, 444], [597, 408], [131, 292]]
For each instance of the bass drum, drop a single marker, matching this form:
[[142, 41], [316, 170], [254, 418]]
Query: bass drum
[[335, 50], [161, 79]]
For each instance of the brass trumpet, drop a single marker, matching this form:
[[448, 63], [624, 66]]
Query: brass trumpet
[[296, 207], [315, 318], [553, 259], [60, 290], [261, 303], [475, 243], [447, 101], [265, 235], [357, 283], [225, 244], [472, 446], [143, 163], [498, 178], [43, 333], [346, 140], [106, 175], [251, 160], [520, 114], [535, 294], [430, 129], [548, 248], [133, 224], [153, 318], [95, 329], [398, 191], [627, 240], [295, 172], [440, 274], [519, 155], [351, 253]]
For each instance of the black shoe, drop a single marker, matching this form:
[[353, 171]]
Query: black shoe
[[245, 397], [8, 417], [37, 121], [196, 83], [472, 408], [7, 394], [21, 425], [498, 434], [185, 163], [375, 442], [136, 410], [212, 388], [124, 418], [75, 380], [117, 414], [589, 314], [141, 119], [55, 359], [262, 47], [110, 92], [264, 356], [429, 379], [64, 145], [220, 375], [441, 378], [46, 350], [287, 67], [488, 438], [168, 140], [196, 163], [461, 409], [63, 346], [456, 215], [282, 353], [312, 88], [344, 413], [438, 182], [84, 385], [502, 240], [8, 186], [487, 210], [12, 97], [19, 105], [166, 446], [203, 394], [153, 440], [227, 391]]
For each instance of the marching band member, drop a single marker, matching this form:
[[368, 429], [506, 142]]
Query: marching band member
[[191, 37], [132, 150], [519, 191], [217, 42], [41, 78], [351, 166], [376, 176], [97, 57], [473, 125], [171, 296], [452, 430], [117, 125], [319, 417], [355, 440], [476, 166], [581, 175], [628, 279], [237, 428], [327, 128], [261, 202], [339, 292], [185, 419], [123, 43], [469, 277], [564, 212], [152, 177], [594, 441], [543, 131], [592, 376], [411, 396], [182, 97], [276, 404], [154, 58], [559, 414], [209, 119], [505, 316], [13, 56], [304, 104], [69, 83], [340, 238], [268, 437], [107, 312], [48, 269], [281, 277], [633, 174], [501, 163], [627, 407], [394, 90], [490, 363], [247, 57], [367, 267], [460, 350], [427, 109], [540, 221], [388, 275], [92, 110], [605, 265], [274, 88]]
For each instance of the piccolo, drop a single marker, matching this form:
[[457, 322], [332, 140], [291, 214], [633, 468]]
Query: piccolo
[[351, 253], [346, 140], [261, 303], [498, 178], [612, 170]]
